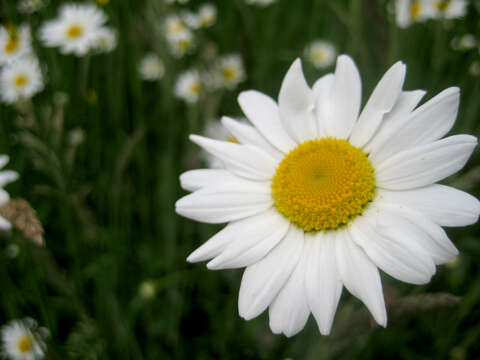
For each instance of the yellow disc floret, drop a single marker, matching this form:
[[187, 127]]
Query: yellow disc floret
[[323, 184], [24, 344]]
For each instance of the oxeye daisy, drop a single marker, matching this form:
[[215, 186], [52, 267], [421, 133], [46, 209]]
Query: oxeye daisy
[[106, 40], [20, 80], [151, 67], [23, 340], [189, 86], [450, 9], [230, 71], [181, 43], [321, 53], [75, 30], [408, 11], [6, 177], [207, 15], [30, 6], [319, 195], [14, 43]]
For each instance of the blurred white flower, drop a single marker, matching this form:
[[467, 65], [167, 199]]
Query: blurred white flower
[[408, 11], [23, 340], [260, 2], [230, 71], [147, 289], [174, 24], [207, 15], [450, 9], [76, 136], [106, 39], [20, 80], [6, 177], [30, 6], [464, 42], [15, 42], [321, 53], [75, 30], [188, 86], [475, 68], [181, 42], [151, 67], [190, 19]]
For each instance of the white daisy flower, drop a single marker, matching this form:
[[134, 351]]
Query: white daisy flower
[[14, 43], [207, 15], [319, 195], [263, 3], [321, 54], [76, 29], [188, 86], [229, 71], [174, 25], [190, 19], [181, 42], [450, 9], [106, 39], [464, 43], [151, 67], [6, 177], [30, 6], [408, 11], [22, 340], [20, 80]]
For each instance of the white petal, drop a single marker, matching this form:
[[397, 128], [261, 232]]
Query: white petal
[[296, 105], [263, 113], [7, 176], [195, 179], [406, 102], [226, 202], [322, 280], [247, 134], [345, 99], [243, 160], [4, 197], [289, 311], [5, 224], [443, 204], [262, 281], [380, 102], [418, 229], [360, 276], [428, 123], [4, 159], [396, 260], [321, 92], [255, 237], [425, 164]]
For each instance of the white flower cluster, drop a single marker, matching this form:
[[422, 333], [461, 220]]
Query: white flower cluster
[[410, 11], [24, 340]]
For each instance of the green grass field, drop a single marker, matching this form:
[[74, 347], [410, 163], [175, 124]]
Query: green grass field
[[112, 282]]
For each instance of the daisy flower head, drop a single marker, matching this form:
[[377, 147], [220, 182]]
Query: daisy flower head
[[6, 177], [321, 53], [207, 15], [151, 67], [409, 11], [14, 43], [450, 9], [23, 340], [20, 80], [30, 6], [189, 86], [181, 43], [174, 25], [106, 40], [75, 30], [230, 71], [319, 195]]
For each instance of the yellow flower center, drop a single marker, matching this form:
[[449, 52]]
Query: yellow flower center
[[415, 10], [103, 2], [323, 184], [195, 87], [12, 45], [25, 344], [75, 31], [21, 80], [442, 5], [229, 73], [318, 55], [233, 139]]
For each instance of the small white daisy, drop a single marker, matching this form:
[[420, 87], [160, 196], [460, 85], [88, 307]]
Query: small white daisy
[[20, 80], [23, 340], [263, 3], [190, 19], [106, 40], [75, 30], [230, 71], [151, 67], [30, 6], [207, 15], [450, 9], [464, 43], [14, 43], [181, 42], [6, 177], [189, 86], [321, 53], [408, 11], [319, 195], [174, 25]]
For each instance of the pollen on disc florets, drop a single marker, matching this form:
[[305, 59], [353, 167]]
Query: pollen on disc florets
[[322, 184]]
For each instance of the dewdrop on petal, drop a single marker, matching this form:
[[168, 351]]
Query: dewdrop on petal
[[321, 54], [320, 194], [151, 67], [23, 340], [20, 80], [15, 42], [188, 86]]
